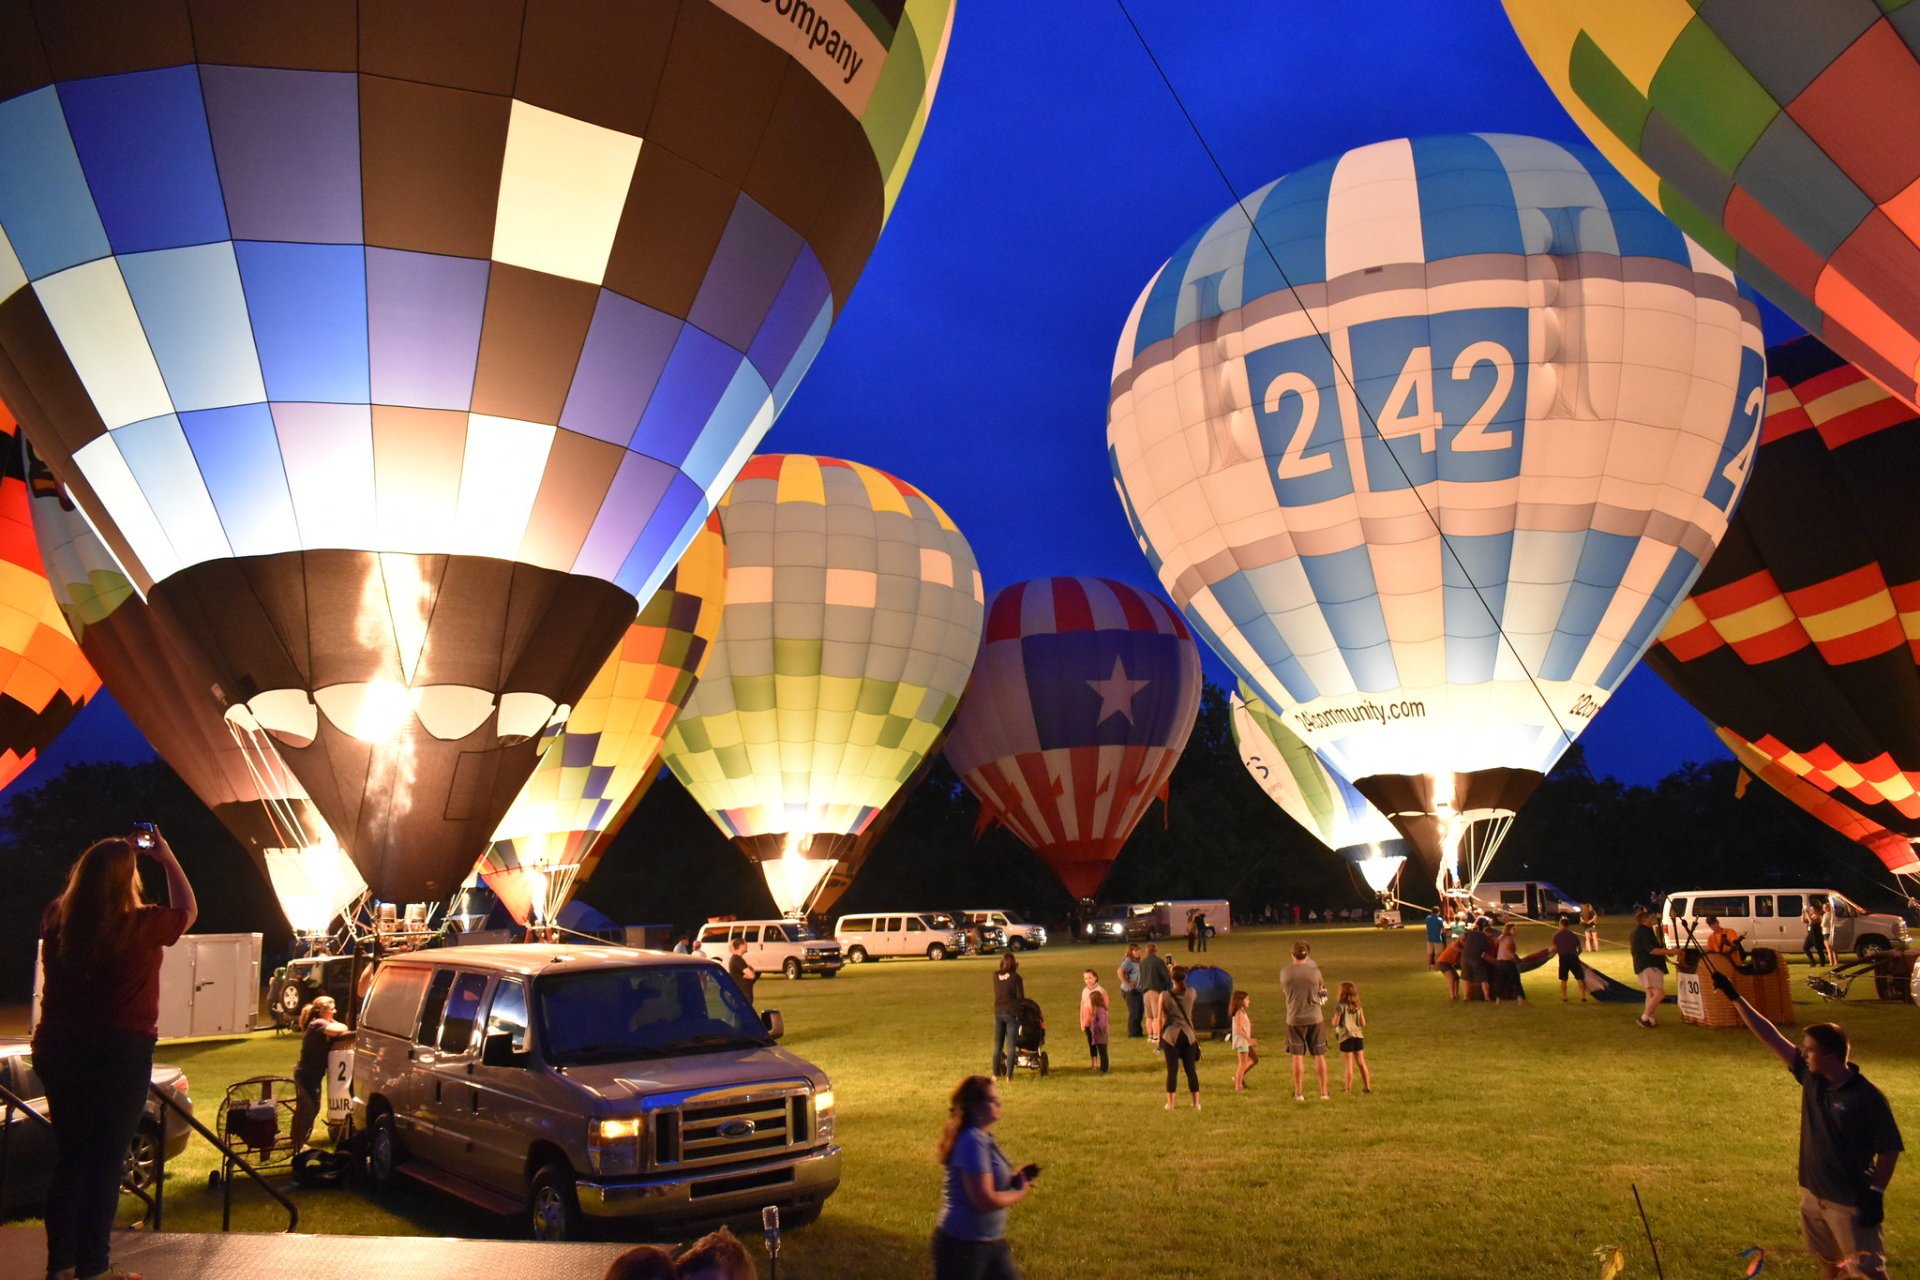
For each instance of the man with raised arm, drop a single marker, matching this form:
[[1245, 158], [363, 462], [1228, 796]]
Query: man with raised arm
[[1849, 1143]]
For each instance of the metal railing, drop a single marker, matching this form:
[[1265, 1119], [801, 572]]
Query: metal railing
[[11, 1105], [170, 1103]]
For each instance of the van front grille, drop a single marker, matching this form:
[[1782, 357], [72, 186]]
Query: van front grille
[[731, 1127]]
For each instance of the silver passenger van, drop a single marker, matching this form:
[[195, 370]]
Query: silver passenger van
[[1771, 918], [566, 1082]]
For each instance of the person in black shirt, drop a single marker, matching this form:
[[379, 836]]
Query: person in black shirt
[[310, 1076], [1474, 950], [1849, 1143], [739, 970]]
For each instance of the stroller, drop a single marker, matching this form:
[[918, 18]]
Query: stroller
[[1030, 1038]]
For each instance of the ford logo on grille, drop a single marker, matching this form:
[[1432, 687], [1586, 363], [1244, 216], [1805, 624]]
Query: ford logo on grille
[[736, 1129]]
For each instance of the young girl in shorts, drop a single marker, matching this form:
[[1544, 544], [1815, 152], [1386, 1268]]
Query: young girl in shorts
[[1350, 1029], [1246, 1053]]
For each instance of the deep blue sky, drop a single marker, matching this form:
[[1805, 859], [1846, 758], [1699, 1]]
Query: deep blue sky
[[1056, 175]]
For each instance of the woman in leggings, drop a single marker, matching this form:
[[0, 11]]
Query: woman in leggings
[[1177, 1039]]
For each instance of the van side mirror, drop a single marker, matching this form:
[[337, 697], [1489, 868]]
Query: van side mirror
[[497, 1051], [776, 1025]]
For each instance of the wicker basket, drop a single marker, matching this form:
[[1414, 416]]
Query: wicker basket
[[1770, 993]]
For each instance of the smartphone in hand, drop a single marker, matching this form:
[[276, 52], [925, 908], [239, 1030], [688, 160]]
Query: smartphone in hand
[[1029, 1172], [143, 835]]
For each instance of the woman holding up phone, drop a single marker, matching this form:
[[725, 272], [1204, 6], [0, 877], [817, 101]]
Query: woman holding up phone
[[969, 1241], [93, 1046]]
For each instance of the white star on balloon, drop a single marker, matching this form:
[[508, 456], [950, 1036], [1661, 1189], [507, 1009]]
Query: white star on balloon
[[1116, 693]]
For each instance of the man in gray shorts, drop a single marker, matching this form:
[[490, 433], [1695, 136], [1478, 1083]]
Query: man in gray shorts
[[1306, 991]]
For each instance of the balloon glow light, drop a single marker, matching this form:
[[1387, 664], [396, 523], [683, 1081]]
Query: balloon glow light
[[314, 884], [792, 879], [1379, 869]]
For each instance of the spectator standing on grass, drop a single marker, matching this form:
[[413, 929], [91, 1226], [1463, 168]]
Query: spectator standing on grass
[[1650, 963], [1129, 975], [1155, 980], [1506, 965], [1450, 966], [1179, 1043], [1200, 931], [1350, 1031], [1590, 925], [1849, 1143], [682, 946], [718, 1255], [1246, 1049], [744, 974], [317, 1035], [1816, 944], [1009, 989], [1566, 946], [1436, 938], [1306, 991], [1093, 1020], [1476, 958], [970, 1238], [100, 947]]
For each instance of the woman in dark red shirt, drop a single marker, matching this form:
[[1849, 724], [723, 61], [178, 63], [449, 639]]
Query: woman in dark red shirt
[[100, 945]]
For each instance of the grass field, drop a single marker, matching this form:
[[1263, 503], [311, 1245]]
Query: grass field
[[1499, 1140]]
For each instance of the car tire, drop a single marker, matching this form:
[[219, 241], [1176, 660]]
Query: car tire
[[553, 1207], [938, 951], [1016, 944], [143, 1157], [856, 955], [384, 1152], [285, 1001], [1872, 946], [791, 968]]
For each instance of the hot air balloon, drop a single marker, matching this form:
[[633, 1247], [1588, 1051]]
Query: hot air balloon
[[1430, 458], [1314, 796], [398, 352], [44, 680], [601, 764], [1777, 135], [1082, 700], [229, 764], [852, 618], [1798, 641]]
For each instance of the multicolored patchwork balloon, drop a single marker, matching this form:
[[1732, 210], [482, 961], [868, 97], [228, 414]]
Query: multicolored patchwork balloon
[[1799, 640], [599, 767], [1430, 458], [398, 351], [852, 619], [44, 680], [1313, 795], [1082, 699], [1777, 135], [168, 693]]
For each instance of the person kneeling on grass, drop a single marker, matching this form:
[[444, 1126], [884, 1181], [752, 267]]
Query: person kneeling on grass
[[1849, 1143]]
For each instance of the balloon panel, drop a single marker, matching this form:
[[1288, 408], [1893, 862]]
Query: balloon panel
[[1311, 794], [1082, 699], [1486, 335], [44, 680], [1768, 132], [594, 770], [1892, 848], [852, 618], [1798, 638]]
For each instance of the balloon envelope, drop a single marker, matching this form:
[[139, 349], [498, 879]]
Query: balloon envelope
[[852, 618], [597, 769], [1798, 641], [44, 679], [1082, 699], [1776, 135], [397, 353], [1486, 337]]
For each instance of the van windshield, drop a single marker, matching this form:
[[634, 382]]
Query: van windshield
[[607, 1015], [1843, 908]]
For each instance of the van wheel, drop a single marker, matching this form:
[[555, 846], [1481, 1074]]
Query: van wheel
[[938, 951], [384, 1152], [553, 1207], [1872, 946], [791, 968], [1016, 944], [856, 955]]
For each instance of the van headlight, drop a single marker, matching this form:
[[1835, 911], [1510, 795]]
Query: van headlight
[[613, 1144], [823, 1113]]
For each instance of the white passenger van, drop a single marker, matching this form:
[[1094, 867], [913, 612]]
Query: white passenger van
[[1534, 899], [783, 946], [1771, 918], [932, 934]]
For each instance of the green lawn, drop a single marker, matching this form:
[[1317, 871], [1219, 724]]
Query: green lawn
[[1498, 1141]]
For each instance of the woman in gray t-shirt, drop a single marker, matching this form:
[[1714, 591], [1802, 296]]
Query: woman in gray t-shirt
[[981, 1184]]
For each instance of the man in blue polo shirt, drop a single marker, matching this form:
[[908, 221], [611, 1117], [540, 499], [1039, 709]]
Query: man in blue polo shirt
[[1849, 1143], [1436, 938]]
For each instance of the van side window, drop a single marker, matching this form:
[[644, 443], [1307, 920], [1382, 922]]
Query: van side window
[[463, 1010], [915, 925], [1790, 905], [1725, 904], [427, 1030], [1763, 905], [509, 1013], [774, 933], [395, 999]]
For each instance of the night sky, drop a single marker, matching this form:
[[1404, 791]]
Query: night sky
[[1056, 175]]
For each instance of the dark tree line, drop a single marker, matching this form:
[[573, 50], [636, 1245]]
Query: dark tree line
[[1599, 839]]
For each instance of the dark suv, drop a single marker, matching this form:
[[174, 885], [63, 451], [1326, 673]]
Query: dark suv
[[29, 1145]]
